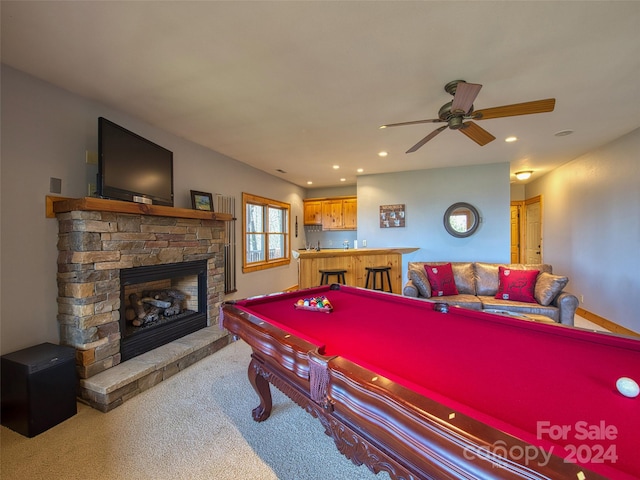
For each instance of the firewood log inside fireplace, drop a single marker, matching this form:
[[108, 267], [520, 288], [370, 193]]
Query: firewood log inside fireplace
[[137, 305], [153, 305]]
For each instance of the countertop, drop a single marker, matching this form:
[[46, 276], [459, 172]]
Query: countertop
[[337, 252]]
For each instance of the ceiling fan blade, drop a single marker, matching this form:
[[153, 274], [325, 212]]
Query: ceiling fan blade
[[466, 94], [476, 133], [426, 139], [526, 108], [415, 122]]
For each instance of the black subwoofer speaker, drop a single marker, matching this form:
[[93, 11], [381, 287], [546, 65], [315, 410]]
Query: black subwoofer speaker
[[38, 388]]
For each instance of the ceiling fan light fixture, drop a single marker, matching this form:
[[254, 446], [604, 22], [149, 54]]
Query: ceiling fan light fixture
[[457, 113], [523, 175]]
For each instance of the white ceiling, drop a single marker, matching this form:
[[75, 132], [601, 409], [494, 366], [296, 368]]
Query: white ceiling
[[302, 86]]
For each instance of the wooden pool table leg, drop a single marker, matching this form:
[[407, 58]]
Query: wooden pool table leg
[[261, 386]]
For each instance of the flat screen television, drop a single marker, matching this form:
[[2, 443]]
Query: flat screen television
[[132, 168]]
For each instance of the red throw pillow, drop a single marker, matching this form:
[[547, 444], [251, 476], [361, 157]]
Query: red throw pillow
[[441, 280], [517, 285]]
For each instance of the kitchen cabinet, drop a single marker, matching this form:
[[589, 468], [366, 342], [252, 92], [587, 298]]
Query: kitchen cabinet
[[350, 214], [339, 213], [332, 215], [313, 212]]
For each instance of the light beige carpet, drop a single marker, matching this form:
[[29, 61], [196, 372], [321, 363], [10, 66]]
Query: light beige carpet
[[195, 425]]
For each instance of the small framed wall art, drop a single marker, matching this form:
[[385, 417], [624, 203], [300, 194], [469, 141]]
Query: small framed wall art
[[201, 201], [392, 216]]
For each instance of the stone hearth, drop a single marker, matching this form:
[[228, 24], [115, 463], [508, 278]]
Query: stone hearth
[[97, 239], [109, 389]]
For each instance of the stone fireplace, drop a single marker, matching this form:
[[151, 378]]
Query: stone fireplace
[[107, 248]]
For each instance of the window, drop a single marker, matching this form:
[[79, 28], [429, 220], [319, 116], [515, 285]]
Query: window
[[265, 233]]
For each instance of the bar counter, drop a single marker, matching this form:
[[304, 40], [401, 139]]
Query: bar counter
[[354, 261]]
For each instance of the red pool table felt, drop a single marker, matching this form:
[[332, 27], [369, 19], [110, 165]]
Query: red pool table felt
[[506, 372]]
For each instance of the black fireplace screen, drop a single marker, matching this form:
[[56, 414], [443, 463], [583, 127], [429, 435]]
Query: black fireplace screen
[[161, 303]]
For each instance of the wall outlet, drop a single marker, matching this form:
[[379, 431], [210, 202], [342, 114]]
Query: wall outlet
[[91, 189], [581, 298], [364, 243]]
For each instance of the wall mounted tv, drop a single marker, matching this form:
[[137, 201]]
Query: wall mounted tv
[[132, 168]]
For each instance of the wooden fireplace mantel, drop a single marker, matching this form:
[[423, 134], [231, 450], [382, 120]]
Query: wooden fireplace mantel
[[65, 204]]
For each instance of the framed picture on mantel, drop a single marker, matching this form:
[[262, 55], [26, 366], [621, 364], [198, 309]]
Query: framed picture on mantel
[[201, 201]]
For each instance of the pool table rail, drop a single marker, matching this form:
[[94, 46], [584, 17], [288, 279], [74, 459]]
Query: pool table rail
[[377, 422]]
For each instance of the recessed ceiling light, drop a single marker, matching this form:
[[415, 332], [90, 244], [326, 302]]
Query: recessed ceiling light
[[511, 139], [563, 133], [360, 170], [336, 167], [309, 182], [382, 126], [343, 179], [382, 154]]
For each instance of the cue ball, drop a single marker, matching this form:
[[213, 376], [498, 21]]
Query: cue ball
[[627, 387]]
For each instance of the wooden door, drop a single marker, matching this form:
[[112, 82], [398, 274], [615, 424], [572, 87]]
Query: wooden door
[[533, 230], [515, 232]]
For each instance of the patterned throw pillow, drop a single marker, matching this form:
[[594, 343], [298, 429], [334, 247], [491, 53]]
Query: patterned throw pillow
[[441, 280], [517, 285]]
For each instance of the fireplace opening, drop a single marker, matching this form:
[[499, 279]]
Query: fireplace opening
[[161, 303]]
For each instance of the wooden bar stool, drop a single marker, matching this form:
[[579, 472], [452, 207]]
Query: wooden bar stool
[[378, 271], [339, 274]]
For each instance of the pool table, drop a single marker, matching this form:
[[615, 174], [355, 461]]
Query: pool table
[[425, 394]]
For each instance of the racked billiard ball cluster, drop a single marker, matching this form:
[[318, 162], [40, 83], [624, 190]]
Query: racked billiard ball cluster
[[321, 304]]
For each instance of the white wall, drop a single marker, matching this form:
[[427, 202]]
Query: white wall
[[426, 195], [517, 192], [45, 133], [591, 228]]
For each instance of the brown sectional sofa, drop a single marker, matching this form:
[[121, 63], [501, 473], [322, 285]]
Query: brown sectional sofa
[[477, 285]]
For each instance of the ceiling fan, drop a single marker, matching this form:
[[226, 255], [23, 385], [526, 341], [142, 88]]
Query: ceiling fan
[[458, 113]]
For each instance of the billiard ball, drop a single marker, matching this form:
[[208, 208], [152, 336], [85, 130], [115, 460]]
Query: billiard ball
[[627, 387]]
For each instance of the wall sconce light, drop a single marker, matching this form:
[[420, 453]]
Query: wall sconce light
[[524, 175]]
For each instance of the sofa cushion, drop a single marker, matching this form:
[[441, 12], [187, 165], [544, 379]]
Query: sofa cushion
[[491, 303], [487, 275], [441, 280], [461, 300], [418, 276], [548, 286], [517, 285], [486, 278], [542, 267], [464, 275]]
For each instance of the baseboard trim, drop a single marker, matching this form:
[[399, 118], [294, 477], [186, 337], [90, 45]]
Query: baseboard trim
[[604, 323]]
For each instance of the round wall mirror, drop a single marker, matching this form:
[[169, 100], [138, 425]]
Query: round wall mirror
[[461, 219]]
